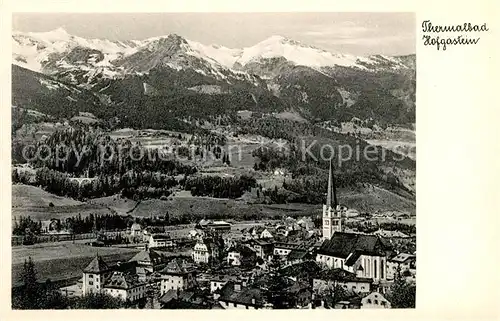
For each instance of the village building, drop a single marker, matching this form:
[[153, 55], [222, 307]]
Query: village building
[[375, 300], [136, 230], [297, 256], [404, 261], [126, 287], [241, 255], [177, 275], [328, 279], [235, 296], [205, 251], [160, 240], [262, 248], [148, 261], [94, 275], [284, 248]]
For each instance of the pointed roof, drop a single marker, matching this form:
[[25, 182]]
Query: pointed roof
[[332, 191], [97, 265], [149, 255], [177, 266], [121, 280]]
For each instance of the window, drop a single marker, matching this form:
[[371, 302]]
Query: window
[[383, 303], [327, 222], [234, 304], [91, 283], [97, 286], [369, 301], [91, 276], [376, 301]]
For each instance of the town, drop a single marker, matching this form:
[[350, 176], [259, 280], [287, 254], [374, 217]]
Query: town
[[289, 264]]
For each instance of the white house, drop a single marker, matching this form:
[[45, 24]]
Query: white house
[[177, 275], [125, 286], [204, 251], [160, 240], [375, 300], [94, 275]]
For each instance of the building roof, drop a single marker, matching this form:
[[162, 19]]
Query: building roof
[[158, 237], [296, 254], [302, 269], [136, 227], [250, 296], [341, 275], [119, 280], [149, 255], [343, 244], [177, 266], [402, 258], [97, 265]]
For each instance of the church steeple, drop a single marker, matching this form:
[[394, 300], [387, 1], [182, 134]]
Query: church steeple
[[332, 190], [332, 214]]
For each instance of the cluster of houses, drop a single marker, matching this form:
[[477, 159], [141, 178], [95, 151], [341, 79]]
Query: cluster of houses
[[286, 265]]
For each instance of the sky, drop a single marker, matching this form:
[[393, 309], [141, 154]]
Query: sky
[[352, 33]]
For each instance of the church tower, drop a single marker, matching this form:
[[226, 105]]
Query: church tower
[[332, 214]]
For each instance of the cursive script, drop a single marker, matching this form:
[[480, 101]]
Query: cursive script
[[441, 43]]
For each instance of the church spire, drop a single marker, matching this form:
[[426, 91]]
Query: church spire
[[332, 191]]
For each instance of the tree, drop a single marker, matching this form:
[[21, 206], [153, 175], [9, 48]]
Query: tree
[[28, 296], [402, 294]]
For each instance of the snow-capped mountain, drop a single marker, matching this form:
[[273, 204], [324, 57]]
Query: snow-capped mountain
[[57, 51], [274, 74]]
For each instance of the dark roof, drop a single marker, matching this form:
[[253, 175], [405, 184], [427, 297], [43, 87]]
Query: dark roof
[[341, 275], [343, 244], [303, 269], [243, 296], [148, 256], [97, 265], [161, 237], [297, 254], [119, 280], [177, 266]]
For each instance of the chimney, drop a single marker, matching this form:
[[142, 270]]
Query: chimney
[[237, 287]]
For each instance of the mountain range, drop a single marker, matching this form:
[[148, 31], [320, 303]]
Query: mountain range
[[174, 76]]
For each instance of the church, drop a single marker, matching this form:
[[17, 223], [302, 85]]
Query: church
[[362, 254]]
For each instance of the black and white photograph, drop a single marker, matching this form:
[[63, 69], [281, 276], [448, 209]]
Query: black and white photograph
[[213, 160]]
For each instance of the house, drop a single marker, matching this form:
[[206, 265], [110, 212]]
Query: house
[[235, 296], [355, 252], [260, 232], [135, 230], [241, 255], [94, 275], [177, 275], [306, 223], [262, 248], [375, 300], [404, 261], [206, 250], [184, 299], [195, 234], [284, 248], [213, 225], [149, 260], [160, 240], [297, 256], [328, 279], [125, 286], [218, 281]]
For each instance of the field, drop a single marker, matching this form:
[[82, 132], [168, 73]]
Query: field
[[63, 260]]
